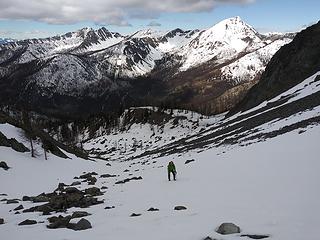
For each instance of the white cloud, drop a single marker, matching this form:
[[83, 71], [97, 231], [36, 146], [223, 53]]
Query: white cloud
[[114, 12], [154, 24]]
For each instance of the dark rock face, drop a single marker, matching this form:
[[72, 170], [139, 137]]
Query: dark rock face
[[228, 228], [1, 221], [27, 222], [13, 143], [292, 64], [178, 208]]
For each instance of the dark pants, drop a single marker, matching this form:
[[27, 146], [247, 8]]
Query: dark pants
[[174, 175]]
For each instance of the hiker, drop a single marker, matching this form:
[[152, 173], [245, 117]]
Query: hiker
[[172, 169]]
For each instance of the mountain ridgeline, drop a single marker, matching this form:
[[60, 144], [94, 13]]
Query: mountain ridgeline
[[93, 71]]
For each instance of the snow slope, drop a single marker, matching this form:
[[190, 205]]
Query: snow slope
[[267, 186], [133, 139]]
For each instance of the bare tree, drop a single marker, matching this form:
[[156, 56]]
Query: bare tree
[[28, 130]]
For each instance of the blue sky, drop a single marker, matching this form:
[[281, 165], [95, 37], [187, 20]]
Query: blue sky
[[39, 20]]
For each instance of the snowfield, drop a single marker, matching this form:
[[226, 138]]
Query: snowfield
[[268, 188]]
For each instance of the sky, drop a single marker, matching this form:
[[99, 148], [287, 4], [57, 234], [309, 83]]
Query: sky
[[42, 18]]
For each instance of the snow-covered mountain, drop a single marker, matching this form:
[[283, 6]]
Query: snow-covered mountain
[[6, 40], [100, 65], [256, 167]]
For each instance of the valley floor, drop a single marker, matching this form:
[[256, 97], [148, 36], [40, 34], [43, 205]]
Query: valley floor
[[269, 187]]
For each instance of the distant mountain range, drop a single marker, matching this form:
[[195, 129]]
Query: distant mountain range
[[6, 40], [90, 71]]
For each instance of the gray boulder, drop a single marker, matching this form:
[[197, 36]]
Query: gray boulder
[[93, 191], [27, 222], [228, 228], [18, 208], [58, 222], [83, 224], [12, 201]]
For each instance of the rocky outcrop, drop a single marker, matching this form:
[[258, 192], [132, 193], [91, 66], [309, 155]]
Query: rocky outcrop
[[13, 143], [64, 222], [63, 199]]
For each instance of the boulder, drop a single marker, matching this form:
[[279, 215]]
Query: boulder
[[135, 215], [254, 236], [76, 183], [152, 209], [128, 180], [107, 175], [93, 191], [4, 165], [71, 190], [40, 198], [1, 221], [208, 238], [91, 180], [178, 208], [26, 198], [12, 201], [189, 161], [58, 222], [18, 208], [27, 222], [83, 224], [108, 207], [80, 214], [228, 228]]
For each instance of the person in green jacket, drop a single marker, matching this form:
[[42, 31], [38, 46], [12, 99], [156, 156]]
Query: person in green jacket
[[172, 169]]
